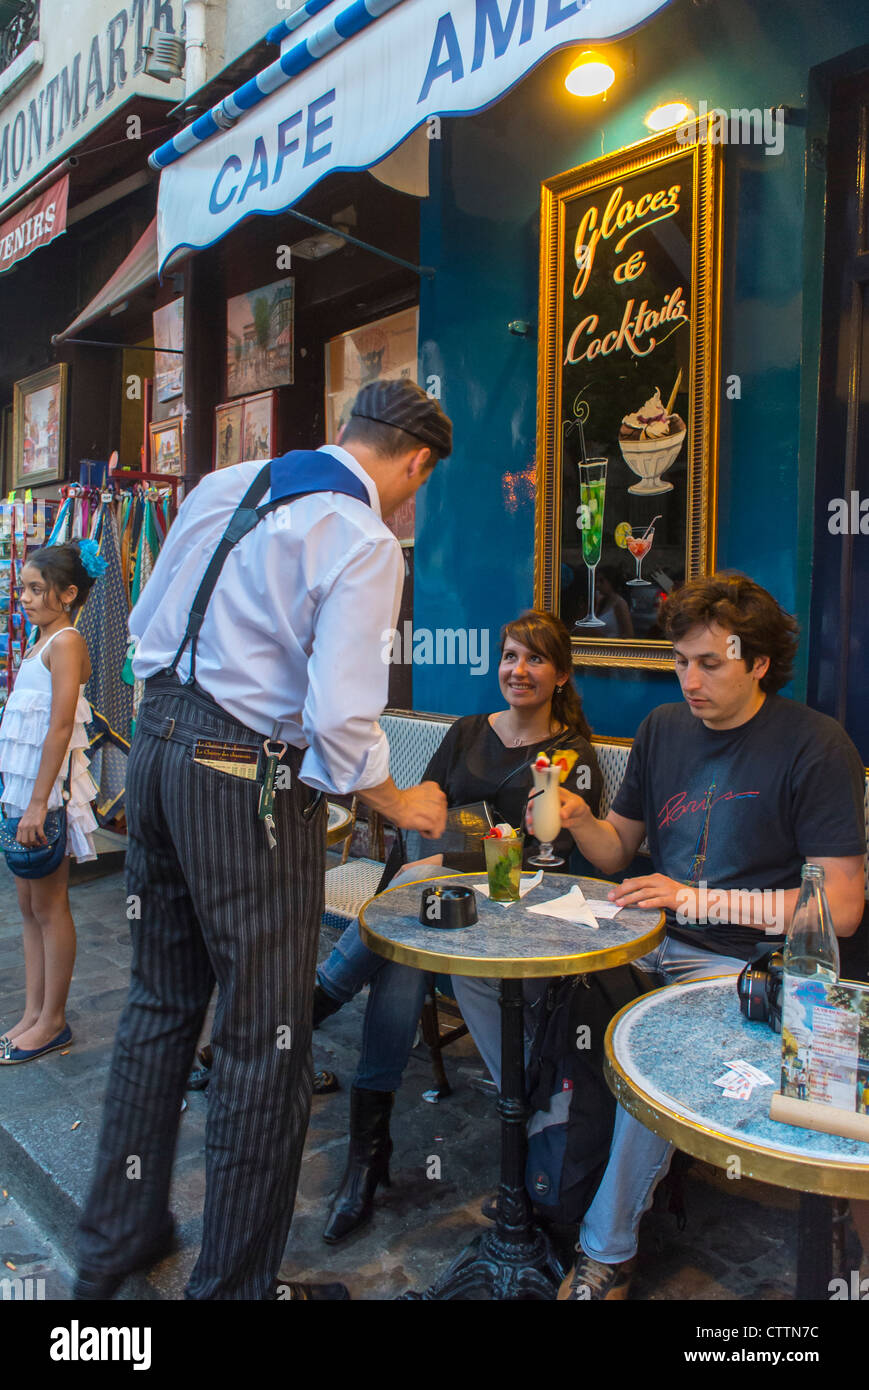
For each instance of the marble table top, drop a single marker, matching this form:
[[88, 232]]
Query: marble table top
[[664, 1053], [507, 940]]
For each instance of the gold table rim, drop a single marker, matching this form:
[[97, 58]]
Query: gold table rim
[[341, 831], [827, 1177], [507, 968]]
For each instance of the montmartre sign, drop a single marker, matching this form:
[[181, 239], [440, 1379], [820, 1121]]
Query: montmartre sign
[[424, 58], [93, 61]]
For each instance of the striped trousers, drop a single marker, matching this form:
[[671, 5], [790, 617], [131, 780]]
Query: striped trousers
[[215, 905]]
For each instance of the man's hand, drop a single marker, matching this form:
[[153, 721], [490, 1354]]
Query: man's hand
[[576, 813], [656, 890], [423, 808]]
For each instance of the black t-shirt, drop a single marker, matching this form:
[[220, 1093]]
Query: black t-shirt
[[471, 764], [744, 807]]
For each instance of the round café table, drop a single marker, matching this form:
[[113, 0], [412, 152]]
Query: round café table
[[515, 1259], [663, 1054], [339, 824]]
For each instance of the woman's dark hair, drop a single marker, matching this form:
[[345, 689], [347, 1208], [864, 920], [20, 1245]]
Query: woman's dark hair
[[61, 566], [546, 635], [736, 603]]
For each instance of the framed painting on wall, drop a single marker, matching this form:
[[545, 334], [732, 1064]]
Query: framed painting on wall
[[228, 433], [628, 370], [39, 427], [385, 348], [259, 425], [259, 338], [169, 344], [166, 455]]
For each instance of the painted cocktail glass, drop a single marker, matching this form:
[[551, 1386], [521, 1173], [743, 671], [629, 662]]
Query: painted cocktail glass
[[592, 497], [546, 815], [639, 544]]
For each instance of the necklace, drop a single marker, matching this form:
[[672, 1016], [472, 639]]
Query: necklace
[[523, 741]]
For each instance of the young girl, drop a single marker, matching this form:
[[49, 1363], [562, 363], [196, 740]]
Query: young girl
[[42, 738]]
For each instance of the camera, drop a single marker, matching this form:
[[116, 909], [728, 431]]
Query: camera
[[760, 988]]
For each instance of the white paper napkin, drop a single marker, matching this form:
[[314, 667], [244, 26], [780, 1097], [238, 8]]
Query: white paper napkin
[[570, 907], [526, 883]]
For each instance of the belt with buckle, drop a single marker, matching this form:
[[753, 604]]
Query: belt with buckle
[[233, 757]]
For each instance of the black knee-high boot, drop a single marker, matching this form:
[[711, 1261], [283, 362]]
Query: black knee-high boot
[[367, 1163], [324, 1005]]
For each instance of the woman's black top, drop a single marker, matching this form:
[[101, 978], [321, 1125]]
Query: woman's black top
[[471, 764]]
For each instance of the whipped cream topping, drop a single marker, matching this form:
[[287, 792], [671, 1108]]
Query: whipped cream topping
[[651, 418]]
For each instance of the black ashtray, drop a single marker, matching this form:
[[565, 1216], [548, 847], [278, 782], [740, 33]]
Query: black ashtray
[[448, 905]]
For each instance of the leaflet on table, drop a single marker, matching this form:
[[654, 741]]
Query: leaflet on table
[[825, 1043]]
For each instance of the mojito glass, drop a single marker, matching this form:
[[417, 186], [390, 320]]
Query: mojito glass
[[592, 497], [504, 868]]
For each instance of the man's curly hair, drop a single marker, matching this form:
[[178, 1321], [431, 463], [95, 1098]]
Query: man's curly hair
[[736, 603]]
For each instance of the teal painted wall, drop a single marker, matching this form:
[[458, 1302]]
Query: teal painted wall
[[475, 519]]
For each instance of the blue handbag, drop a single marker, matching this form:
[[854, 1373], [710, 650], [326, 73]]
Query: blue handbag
[[42, 860]]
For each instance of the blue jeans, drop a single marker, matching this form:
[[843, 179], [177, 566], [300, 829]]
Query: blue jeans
[[638, 1158], [394, 1004]]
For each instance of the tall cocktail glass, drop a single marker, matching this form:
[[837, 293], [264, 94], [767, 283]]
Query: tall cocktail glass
[[504, 867], [592, 497], [546, 815]]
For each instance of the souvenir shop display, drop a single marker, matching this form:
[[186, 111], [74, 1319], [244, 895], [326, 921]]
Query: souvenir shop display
[[128, 518]]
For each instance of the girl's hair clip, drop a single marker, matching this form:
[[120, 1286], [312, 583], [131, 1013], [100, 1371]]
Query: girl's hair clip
[[91, 558]]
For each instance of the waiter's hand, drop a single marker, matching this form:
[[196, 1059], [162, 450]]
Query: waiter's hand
[[423, 808]]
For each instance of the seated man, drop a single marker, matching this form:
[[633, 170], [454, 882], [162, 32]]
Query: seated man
[[735, 790]]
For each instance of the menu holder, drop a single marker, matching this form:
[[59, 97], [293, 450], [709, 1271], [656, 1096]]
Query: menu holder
[[825, 1057]]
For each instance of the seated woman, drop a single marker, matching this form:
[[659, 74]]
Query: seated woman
[[482, 757]]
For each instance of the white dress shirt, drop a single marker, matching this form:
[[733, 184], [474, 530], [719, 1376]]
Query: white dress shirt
[[292, 641]]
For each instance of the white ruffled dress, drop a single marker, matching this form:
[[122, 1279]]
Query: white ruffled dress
[[23, 730]]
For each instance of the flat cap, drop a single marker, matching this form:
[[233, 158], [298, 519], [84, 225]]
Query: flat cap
[[406, 406]]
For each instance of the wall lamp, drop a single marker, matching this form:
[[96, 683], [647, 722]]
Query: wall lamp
[[669, 114], [591, 75]]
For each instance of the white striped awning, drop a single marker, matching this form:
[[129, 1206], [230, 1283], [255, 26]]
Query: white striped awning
[[348, 89]]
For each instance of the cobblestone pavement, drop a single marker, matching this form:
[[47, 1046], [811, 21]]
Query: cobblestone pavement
[[738, 1242]]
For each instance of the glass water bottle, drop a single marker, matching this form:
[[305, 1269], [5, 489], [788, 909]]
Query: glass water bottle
[[811, 949]]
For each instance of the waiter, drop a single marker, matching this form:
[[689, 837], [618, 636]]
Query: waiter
[[261, 635]]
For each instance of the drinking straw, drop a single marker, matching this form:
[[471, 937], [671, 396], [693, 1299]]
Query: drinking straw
[[650, 525], [672, 401], [582, 441]]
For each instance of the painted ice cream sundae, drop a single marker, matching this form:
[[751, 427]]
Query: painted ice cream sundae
[[650, 441]]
